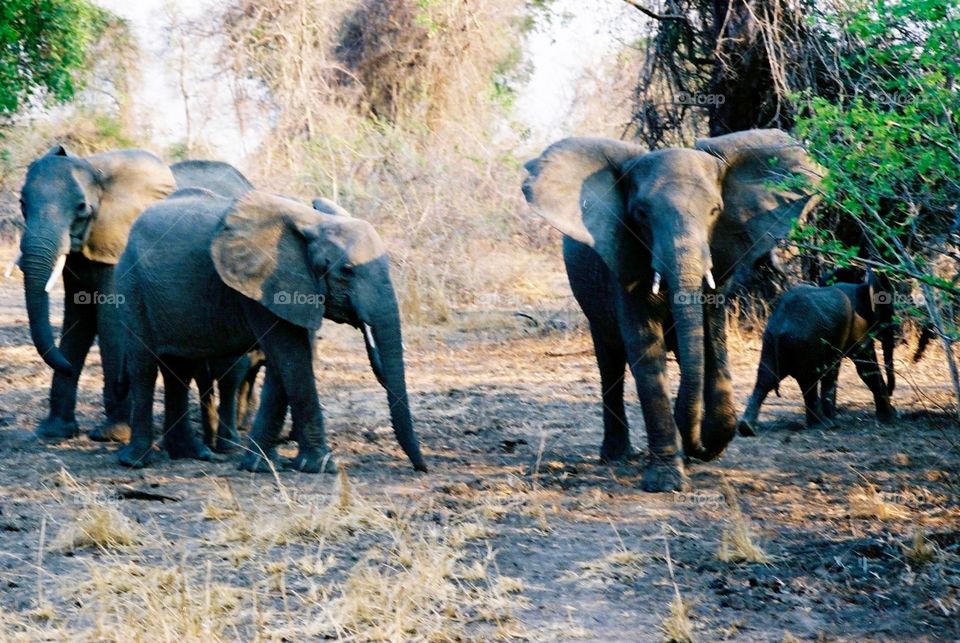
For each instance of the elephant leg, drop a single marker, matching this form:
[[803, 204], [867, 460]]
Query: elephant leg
[[768, 380], [719, 423], [141, 367], [811, 400], [828, 391], [288, 350], [261, 449], [612, 362], [865, 358], [228, 387], [648, 363], [208, 403], [116, 428], [79, 331], [247, 394], [179, 439]]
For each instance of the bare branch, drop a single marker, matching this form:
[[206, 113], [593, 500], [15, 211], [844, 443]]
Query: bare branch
[[653, 14]]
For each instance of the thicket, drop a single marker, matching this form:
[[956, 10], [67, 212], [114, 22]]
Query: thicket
[[393, 108]]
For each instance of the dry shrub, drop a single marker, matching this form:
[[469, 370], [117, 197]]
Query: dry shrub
[[97, 523], [867, 502], [389, 108], [401, 52], [737, 540]]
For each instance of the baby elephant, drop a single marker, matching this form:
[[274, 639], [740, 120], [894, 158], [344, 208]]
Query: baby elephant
[[808, 334]]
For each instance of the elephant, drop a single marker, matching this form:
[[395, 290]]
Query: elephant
[[261, 270], [651, 238], [78, 212], [807, 336]]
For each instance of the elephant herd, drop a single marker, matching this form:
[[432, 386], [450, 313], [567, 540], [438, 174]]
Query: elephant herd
[[190, 272]]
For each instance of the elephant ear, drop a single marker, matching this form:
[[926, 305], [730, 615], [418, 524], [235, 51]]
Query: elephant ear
[[260, 251], [579, 185], [768, 182], [130, 181]]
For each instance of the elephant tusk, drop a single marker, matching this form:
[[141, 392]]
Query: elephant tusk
[[13, 264], [710, 281], [655, 289], [57, 271], [368, 334]]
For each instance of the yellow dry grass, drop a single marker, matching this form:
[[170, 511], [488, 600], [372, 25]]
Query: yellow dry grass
[[867, 502], [737, 540], [97, 523]]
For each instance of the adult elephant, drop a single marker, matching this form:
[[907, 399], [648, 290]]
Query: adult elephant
[[652, 238], [78, 212], [260, 270]]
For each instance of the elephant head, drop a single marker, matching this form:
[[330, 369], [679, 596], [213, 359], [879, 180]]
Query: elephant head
[[684, 218], [80, 205], [306, 264]]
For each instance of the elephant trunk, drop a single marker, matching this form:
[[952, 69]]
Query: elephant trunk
[[687, 308], [385, 350], [39, 255]]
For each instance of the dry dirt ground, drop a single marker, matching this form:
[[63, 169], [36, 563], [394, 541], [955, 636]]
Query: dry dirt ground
[[516, 533]]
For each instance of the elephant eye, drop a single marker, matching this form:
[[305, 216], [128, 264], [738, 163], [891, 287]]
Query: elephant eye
[[81, 208]]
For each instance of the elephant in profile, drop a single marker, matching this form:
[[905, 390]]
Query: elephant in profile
[[651, 238], [810, 332], [262, 271]]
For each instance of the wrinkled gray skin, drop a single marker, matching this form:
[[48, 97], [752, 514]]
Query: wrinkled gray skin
[[809, 333], [689, 216], [180, 310]]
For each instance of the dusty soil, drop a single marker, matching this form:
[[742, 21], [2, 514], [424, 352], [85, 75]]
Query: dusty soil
[[509, 415]]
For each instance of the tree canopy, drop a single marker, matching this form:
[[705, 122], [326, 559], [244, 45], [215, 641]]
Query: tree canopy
[[45, 47]]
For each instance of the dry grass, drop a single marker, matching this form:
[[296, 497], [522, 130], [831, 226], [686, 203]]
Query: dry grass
[[623, 566], [98, 522], [867, 502], [676, 627], [737, 540], [921, 551]]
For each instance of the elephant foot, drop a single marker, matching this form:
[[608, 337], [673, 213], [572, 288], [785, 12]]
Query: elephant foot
[[111, 432], [615, 454], [258, 461], [137, 454], [312, 461], [54, 428], [227, 444], [824, 424], [747, 429], [664, 474], [887, 415], [190, 448]]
